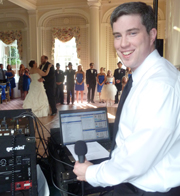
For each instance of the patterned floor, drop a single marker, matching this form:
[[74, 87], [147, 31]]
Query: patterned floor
[[11, 105]]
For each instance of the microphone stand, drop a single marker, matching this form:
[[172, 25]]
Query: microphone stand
[[82, 188]]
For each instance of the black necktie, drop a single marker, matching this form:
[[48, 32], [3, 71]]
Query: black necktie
[[125, 93]]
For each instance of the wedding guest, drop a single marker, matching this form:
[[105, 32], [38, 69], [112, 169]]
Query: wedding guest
[[79, 76], [109, 90], [10, 78], [2, 74], [70, 82], [20, 83], [59, 78], [91, 75], [26, 82], [128, 72], [101, 78], [118, 74]]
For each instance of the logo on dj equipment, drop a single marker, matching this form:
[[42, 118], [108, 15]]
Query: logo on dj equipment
[[9, 149]]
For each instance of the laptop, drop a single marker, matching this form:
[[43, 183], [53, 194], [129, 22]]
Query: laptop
[[85, 124]]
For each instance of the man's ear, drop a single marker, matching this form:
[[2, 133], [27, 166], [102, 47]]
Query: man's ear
[[153, 34]]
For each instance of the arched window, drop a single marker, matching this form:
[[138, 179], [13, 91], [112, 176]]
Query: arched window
[[65, 52]]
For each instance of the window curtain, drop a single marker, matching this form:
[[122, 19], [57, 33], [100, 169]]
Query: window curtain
[[9, 37], [64, 35]]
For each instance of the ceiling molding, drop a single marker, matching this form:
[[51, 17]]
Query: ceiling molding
[[24, 4]]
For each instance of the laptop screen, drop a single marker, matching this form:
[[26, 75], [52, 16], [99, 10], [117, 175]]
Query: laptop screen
[[83, 124]]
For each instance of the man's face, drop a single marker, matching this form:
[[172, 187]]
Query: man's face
[[119, 65], [43, 60], [131, 40], [1, 66], [70, 66], [91, 66]]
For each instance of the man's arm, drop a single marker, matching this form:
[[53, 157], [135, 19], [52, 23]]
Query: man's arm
[[87, 77], [142, 142]]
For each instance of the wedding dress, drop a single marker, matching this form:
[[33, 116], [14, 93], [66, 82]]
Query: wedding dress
[[36, 98], [109, 90]]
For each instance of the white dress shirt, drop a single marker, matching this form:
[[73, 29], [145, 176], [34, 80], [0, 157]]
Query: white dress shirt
[[147, 152]]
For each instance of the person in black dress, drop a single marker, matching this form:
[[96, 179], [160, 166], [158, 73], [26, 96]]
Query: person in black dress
[[70, 83], [59, 75], [49, 83], [91, 75], [118, 75]]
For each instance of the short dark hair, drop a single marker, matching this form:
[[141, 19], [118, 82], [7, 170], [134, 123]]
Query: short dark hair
[[119, 62], [91, 64], [31, 63], [69, 64], [57, 65], [46, 57], [135, 8]]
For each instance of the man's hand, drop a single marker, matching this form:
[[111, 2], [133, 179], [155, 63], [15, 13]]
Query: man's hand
[[80, 169], [118, 81], [41, 80]]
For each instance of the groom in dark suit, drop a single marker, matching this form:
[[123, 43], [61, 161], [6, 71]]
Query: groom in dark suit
[[91, 75], [49, 83], [118, 75]]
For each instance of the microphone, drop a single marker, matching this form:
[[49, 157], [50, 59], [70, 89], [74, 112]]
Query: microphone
[[80, 149]]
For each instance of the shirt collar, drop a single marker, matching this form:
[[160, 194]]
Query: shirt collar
[[145, 66]]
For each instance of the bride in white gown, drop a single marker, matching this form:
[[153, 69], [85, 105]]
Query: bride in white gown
[[36, 98]]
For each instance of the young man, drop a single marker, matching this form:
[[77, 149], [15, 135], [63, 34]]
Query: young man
[[2, 74], [146, 157], [59, 78], [118, 75], [70, 83], [91, 75]]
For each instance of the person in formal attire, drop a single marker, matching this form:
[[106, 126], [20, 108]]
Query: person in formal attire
[[70, 83], [10, 78], [49, 83], [59, 75], [91, 75], [36, 98], [128, 72], [101, 78], [26, 81], [145, 155], [79, 86], [20, 82], [118, 74], [2, 74], [109, 90]]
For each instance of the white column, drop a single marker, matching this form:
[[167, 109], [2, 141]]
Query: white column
[[172, 41], [40, 36], [94, 32], [33, 35]]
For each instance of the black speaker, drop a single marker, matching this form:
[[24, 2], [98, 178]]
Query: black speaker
[[159, 46], [18, 175]]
